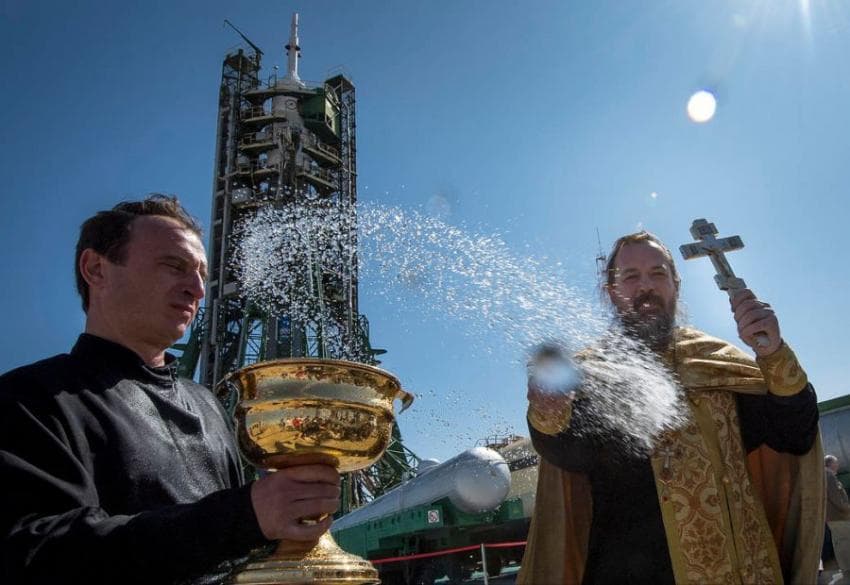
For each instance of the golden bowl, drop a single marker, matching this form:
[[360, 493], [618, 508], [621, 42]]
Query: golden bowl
[[297, 411]]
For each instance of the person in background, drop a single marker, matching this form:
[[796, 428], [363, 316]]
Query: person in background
[[837, 537]]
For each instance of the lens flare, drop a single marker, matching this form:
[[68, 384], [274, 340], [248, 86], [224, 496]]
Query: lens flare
[[701, 106]]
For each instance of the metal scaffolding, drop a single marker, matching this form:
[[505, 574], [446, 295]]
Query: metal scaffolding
[[282, 141]]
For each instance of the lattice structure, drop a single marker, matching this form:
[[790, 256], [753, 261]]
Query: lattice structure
[[280, 142]]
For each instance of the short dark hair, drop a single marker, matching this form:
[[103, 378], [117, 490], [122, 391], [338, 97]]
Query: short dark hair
[[640, 237], [107, 232]]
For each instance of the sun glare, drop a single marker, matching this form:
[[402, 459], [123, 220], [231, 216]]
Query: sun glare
[[701, 106], [806, 16]]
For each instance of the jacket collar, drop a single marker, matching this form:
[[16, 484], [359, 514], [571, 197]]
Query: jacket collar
[[102, 354]]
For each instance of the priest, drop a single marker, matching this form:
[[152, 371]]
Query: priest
[[733, 494]]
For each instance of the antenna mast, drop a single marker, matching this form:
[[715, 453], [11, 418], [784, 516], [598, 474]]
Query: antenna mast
[[244, 38], [601, 260]]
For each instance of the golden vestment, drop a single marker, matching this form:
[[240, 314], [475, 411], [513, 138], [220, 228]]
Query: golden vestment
[[730, 517]]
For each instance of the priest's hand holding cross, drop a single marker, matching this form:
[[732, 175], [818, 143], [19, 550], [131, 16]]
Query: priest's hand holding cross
[[758, 326], [757, 323]]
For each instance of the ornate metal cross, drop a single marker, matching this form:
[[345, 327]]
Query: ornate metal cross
[[715, 249], [667, 453]]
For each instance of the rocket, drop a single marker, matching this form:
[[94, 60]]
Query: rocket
[[293, 52]]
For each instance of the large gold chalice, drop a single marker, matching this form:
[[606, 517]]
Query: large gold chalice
[[308, 410]]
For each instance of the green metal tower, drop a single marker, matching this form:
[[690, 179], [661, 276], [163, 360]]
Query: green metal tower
[[283, 142]]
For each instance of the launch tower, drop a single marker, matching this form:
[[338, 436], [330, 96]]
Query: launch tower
[[282, 141]]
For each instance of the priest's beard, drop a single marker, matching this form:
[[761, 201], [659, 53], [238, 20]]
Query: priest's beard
[[653, 326]]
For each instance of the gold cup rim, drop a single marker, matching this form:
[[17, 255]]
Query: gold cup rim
[[401, 394]]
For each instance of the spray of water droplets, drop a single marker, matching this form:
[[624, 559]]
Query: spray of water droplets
[[457, 273], [453, 273], [472, 277], [632, 394], [296, 260]]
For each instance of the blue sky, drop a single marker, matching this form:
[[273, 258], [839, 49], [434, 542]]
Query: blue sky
[[539, 120]]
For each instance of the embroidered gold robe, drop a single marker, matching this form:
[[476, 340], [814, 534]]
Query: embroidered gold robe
[[729, 517]]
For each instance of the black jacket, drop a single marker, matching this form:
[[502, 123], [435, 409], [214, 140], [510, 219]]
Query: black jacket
[[116, 472]]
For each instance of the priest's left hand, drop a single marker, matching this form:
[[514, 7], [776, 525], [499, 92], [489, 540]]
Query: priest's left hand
[[755, 318]]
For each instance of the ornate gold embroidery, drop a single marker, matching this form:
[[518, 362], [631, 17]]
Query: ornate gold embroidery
[[756, 551], [782, 372], [717, 531]]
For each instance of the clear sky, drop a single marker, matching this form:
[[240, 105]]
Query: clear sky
[[541, 120]]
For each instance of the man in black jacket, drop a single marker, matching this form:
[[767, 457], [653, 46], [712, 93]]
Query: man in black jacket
[[114, 469]]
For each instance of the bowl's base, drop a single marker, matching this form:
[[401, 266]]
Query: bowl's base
[[293, 563]]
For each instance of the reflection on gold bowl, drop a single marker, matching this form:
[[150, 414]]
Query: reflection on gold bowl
[[277, 433], [307, 410]]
